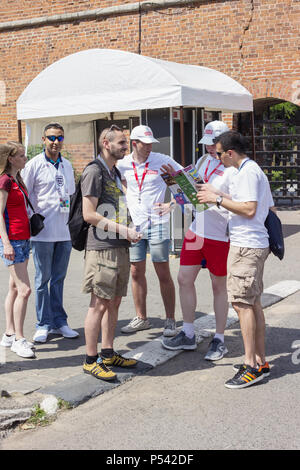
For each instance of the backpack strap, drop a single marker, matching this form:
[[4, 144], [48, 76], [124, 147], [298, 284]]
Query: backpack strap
[[97, 161]]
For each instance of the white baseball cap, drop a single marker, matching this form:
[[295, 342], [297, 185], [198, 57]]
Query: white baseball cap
[[212, 130], [144, 134]]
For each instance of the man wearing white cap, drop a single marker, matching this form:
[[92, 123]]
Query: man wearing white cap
[[206, 241], [145, 196]]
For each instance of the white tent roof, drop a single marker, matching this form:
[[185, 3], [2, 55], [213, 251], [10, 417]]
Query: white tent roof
[[106, 80]]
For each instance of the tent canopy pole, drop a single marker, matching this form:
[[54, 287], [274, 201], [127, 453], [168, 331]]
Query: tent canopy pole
[[253, 135], [182, 147], [20, 137]]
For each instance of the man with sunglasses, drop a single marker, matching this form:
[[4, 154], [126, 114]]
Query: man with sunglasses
[[50, 181]]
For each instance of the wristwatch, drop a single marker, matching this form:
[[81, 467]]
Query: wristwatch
[[219, 201]]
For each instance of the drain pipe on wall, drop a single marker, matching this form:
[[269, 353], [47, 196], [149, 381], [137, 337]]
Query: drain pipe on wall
[[94, 14]]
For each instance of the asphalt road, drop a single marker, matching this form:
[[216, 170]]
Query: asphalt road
[[183, 404]]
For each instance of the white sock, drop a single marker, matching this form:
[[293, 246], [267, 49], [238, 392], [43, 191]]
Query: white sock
[[188, 329], [219, 336]]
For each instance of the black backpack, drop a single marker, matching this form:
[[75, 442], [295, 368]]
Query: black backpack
[[77, 225]]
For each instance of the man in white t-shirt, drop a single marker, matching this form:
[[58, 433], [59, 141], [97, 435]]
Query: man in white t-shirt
[[145, 195], [50, 181], [249, 202], [206, 241]]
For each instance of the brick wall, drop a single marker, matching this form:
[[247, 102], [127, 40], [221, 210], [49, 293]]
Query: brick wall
[[80, 155], [254, 41]]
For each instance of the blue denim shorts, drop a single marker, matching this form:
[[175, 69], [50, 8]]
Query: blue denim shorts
[[156, 239], [22, 250]]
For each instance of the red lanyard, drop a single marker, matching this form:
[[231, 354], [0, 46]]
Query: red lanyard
[[206, 178], [140, 184]]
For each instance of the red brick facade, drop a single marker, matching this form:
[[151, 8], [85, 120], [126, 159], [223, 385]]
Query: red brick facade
[[256, 42]]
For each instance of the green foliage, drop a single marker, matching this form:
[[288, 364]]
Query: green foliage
[[284, 110], [38, 418], [33, 150], [276, 179], [64, 405]]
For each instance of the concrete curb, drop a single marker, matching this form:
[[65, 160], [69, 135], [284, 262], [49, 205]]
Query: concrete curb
[[9, 418]]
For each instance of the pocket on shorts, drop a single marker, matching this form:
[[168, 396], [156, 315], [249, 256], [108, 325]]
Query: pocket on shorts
[[243, 285], [105, 280]]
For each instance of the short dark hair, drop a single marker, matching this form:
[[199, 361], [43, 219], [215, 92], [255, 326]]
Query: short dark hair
[[54, 125], [232, 140], [108, 133]]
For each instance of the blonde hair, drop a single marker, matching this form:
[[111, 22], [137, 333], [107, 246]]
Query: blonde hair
[[7, 150]]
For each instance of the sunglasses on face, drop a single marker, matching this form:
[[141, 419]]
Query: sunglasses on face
[[53, 138]]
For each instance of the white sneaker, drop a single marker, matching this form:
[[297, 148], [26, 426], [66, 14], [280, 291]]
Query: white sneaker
[[7, 341], [170, 327], [20, 347], [136, 324], [41, 335], [65, 331]]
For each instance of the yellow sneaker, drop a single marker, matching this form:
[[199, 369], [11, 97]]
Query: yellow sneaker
[[119, 361], [99, 370]]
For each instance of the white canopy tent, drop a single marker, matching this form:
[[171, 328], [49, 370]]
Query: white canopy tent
[[91, 84]]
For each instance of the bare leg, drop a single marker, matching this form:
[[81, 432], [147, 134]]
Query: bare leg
[[109, 321], [260, 333], [220, 302], [9, 306], [20, 278], [92, 324], [248, 328], [167, 288], [139, 288], [188, 297]]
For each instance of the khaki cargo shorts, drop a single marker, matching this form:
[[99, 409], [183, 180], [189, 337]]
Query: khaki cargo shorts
[[245, 268], [106, 273]]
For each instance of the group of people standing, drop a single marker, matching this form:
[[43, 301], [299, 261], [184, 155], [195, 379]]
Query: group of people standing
[[239, 199]]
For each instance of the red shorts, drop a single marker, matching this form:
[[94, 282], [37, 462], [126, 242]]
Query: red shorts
[[195, 249]]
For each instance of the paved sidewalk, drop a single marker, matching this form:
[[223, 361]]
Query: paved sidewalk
[[57, 368]]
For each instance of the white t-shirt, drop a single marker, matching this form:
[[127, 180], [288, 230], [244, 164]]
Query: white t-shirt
[[39, 177], [153, 188], [250, 184], [213, 222]]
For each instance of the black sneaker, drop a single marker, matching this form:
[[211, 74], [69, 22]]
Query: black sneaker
[[265, 368], [245, 377]]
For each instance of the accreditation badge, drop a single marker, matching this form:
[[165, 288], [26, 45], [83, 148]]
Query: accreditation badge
[[64, 204]]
